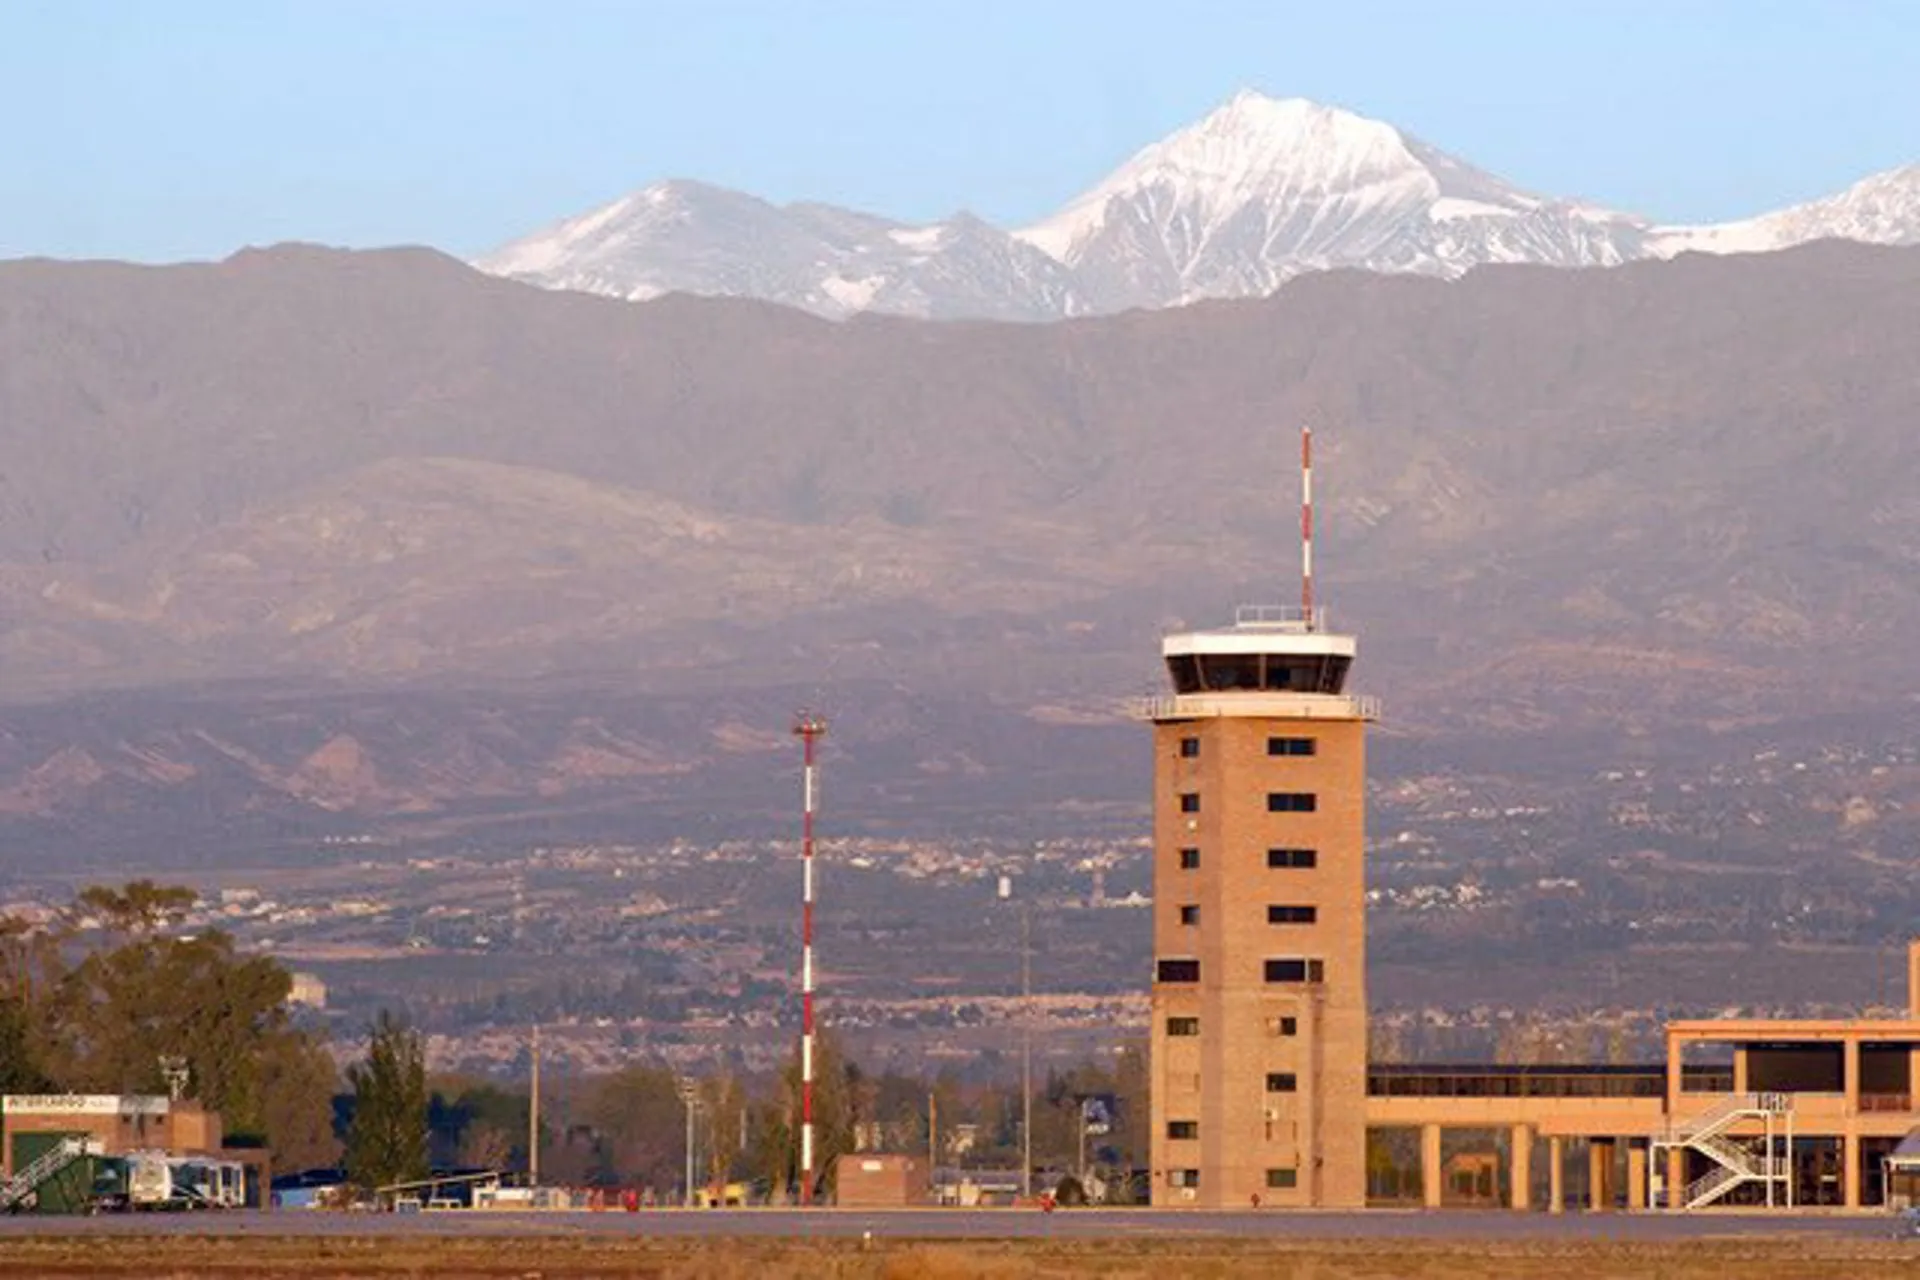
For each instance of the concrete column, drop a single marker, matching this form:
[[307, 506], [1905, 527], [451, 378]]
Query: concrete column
[[1676, 1177], [1556, 1185], [1850, 1074], [1850, 1168], [1740, 1069], [1431, 1185], [1636, 1175], [1520, 1167], [1599, 1174], [1673, 1074]]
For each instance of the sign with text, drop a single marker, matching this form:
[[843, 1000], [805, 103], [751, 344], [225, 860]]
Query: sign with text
[[83, 1104]]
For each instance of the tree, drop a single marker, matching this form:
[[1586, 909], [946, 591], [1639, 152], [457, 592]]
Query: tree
[[387, 1142], [776, 1139], [105, 990], [19, 1063], [724, 1108], [297, 1083], [639, 1123], [477, 1124]]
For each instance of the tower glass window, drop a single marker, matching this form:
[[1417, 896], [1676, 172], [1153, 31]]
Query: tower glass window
[[1282, 1179], [1291, 802], [1291, 746], [1282, 1082], [1299, 859], [1278, 913], [1294, 969], [1189, 802], [1189, 859], [1177, 971], [1183, 1130], [1183, 1026], [1189, 748], [1189, 913]]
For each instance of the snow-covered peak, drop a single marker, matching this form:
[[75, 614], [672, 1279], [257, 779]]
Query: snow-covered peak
[[689, 237], [1234, 205], [1263, 188], [554, 247], [1278, 153], [1254, 148], [1881, 209]]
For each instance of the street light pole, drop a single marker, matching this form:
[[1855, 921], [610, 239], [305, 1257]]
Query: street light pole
[[1026, 1052], [688, 1093], [533, 1112], [1026, 1040]]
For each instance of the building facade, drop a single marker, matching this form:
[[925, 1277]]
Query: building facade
[[1262, 1092], [1259, 1006]]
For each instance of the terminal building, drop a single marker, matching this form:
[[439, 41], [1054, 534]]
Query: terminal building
[[56, 1149], [1262, 1092]]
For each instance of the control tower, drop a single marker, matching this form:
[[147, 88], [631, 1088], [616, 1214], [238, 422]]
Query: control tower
[[1259, 1051]]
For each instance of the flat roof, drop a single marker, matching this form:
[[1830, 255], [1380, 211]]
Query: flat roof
[[1525, 1069], [1228, 641], [1796, 1028]]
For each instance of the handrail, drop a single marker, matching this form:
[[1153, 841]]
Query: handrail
[[1304, 706], [49, 1162]]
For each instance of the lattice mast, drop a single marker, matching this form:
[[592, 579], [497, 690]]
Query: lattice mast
[[1306, 526], [809, 728]]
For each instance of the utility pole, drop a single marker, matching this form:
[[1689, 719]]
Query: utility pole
[[533, 1115], [933, 1132]]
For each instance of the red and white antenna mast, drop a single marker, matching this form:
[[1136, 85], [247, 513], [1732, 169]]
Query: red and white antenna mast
[[1306, 526], [809, 728]]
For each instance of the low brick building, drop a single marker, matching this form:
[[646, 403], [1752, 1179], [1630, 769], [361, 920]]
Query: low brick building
[[870, 1180]]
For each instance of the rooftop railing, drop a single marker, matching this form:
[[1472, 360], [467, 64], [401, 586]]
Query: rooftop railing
[[1280, 617], [1305, 706]]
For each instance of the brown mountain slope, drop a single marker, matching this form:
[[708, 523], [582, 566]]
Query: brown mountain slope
[[1706, 464]]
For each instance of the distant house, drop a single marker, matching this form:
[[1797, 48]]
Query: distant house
[[308, 990]]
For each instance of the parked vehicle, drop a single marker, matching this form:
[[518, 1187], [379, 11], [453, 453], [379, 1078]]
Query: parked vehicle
[[150, 1184]]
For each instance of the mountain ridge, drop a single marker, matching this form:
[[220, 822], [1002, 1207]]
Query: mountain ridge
[[1254, 194], [1641, 506]]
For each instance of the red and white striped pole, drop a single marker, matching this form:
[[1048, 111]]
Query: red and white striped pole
[[1306, 526], [808, 727]]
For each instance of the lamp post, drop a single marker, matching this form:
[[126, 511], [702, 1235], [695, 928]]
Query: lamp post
[[533, 1112], [689, 1098], [1026, 1040]]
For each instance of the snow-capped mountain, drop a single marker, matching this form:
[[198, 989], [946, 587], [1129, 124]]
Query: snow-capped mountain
[[1262, 190], [1882, 209], [694, 238], [1235, 205]]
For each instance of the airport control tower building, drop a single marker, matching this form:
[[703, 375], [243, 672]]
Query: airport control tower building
[[1259, 1058]]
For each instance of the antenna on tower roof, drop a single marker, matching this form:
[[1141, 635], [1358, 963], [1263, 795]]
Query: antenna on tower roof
[[1306, 526]]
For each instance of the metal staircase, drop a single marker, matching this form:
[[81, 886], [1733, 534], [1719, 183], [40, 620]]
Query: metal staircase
[[1736, 1161], [50, 1163]]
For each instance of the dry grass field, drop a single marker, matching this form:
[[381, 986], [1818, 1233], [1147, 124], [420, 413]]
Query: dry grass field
[[526, 1258]]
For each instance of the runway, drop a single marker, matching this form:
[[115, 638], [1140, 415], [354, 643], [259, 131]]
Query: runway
[[965, 1224]]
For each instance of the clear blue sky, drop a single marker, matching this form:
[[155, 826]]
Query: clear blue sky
[[167, 129]]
